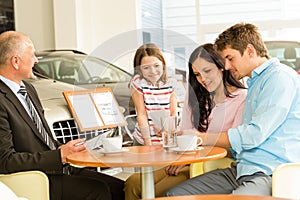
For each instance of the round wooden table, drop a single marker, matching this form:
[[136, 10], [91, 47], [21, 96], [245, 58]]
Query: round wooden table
[[145, 157], [219, 196]]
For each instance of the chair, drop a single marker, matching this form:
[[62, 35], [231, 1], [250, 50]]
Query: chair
[[7, 193], [290, 53], [66, 72], [286, 181], [196, 169], [131, 121], [203, 167], [290, 57], [33, 185]]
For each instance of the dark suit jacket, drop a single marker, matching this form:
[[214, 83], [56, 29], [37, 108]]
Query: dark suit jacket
[[22, 147]]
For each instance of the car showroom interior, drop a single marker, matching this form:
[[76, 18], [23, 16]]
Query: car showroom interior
[[160, 99]]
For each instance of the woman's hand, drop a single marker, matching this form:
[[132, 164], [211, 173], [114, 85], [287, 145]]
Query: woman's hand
[[173, 170]]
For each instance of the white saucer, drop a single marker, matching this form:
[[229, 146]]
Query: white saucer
[[182, 151], [113, 152]]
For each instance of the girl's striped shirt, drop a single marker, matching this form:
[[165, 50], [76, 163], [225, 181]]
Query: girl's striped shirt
[[155, 98]]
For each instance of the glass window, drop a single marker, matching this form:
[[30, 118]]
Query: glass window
[[7, 20]]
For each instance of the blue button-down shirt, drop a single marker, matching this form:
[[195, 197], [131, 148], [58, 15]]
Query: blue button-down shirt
[[270, 131]]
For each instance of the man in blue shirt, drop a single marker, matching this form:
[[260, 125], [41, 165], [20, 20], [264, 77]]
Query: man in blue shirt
[[269, 134]]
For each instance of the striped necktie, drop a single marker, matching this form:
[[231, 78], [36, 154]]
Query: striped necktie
[[36, 118]]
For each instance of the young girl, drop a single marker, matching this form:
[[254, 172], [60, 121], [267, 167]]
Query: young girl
[[151, 90]]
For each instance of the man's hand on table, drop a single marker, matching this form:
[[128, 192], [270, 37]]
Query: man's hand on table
[[71, 147]]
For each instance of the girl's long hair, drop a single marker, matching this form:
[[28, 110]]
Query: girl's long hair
[[200, 100]]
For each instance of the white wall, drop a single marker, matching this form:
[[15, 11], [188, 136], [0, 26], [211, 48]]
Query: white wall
[[106, 20], [35, 18], [65, 24], [75, 24]]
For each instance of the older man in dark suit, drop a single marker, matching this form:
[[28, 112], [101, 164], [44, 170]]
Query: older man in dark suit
[[26, 142]]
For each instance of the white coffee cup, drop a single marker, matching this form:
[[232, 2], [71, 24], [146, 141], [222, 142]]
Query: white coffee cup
[[112, 144], [188, 142]]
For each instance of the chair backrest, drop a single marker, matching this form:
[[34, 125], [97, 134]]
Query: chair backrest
[[290, 53], [290, 57], [66, 72], [33, 185], [131, 122], [286, 181]]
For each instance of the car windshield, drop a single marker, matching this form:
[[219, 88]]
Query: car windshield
[[80, 70], [287, 52]]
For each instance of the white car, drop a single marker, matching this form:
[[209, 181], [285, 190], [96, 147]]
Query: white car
[[78, 69], [57, 113], [288, 52]]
